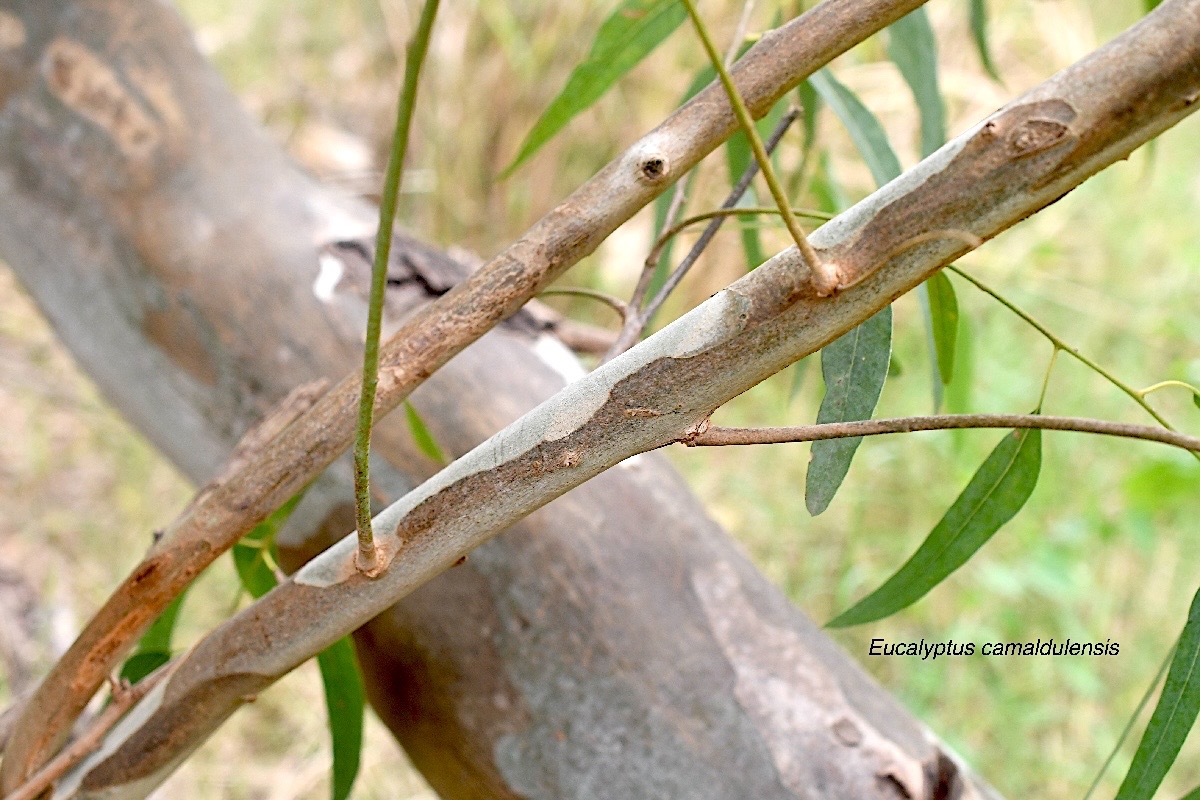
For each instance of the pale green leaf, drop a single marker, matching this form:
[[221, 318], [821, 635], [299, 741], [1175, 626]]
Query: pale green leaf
[[943, 322], [996, 492], [854, 367], [421, 435], [911, 45], [865, 131], [627, 36], [979, 32], [345, 701], [1173, 717]]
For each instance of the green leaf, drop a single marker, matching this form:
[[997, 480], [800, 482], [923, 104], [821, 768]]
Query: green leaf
[[1194, 794], [344, 700], [250, 554], [154, 648], [1196, 399], [913, 48], [994, 495], [1173, 717], [854, 367], [810, 104], [979, 26], [865, 131], [1150, 5], [825, 188], [627, 36], [421, 435], [943, 323]]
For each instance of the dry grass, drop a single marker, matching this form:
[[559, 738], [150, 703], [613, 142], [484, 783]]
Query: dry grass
[[1102, 551]]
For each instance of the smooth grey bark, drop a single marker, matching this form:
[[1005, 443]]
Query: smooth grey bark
[[187, 264]]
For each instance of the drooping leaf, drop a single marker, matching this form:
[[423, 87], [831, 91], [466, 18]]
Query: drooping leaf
[[913, 48], [855, 367], [421, 435], [251, 554], [625, 37], [979, 32], [865, 131], [943, 323], [154, 648], [1173, 717], [344, 700], [996, 492]]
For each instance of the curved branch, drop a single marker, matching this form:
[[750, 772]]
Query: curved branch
[[720, 437], [775, 65]]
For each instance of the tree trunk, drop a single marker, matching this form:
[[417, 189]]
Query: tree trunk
[[614, 644]]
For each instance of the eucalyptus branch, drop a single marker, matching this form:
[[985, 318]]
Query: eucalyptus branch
[[368, 561], [824, 279], [1061, 344], [425, 342], [720, 437]]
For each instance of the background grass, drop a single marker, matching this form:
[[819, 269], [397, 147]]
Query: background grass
[[1105, 548]]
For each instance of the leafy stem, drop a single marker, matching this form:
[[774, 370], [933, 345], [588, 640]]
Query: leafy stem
[[368, 561], [1058, 342]]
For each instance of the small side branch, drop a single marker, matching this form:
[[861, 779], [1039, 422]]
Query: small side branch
[[720, 437]]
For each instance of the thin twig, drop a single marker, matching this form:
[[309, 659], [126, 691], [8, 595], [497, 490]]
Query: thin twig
[[123, 699], [639, 317], [615, 303], [368, 560], [730, 211], [1059, 342], [718, 437], [823, 279]]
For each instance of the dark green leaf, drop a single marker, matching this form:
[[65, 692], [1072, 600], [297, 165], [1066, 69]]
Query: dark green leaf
[[1150, 5], [912, 47], [1173, 717], [421, 435], [627, 36], [866, 132], [855, 367], [943, 323], [250, 555], [344, 699], [154, 648], [1196, 399], [979, 32], [994, 495]]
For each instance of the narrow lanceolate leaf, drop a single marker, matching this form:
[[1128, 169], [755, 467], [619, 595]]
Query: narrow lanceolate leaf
[[627, 36], [854, 367], [943, 323], [995, 494], [911, 45], [1173, 717], [421, 435], [154, 649], [979, 32], [865, 131], [344, 699]]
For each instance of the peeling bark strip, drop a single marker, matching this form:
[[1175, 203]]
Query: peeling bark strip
[[988, 179], [768, 70]]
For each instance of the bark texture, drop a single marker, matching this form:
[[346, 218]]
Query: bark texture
[[614, 644]]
